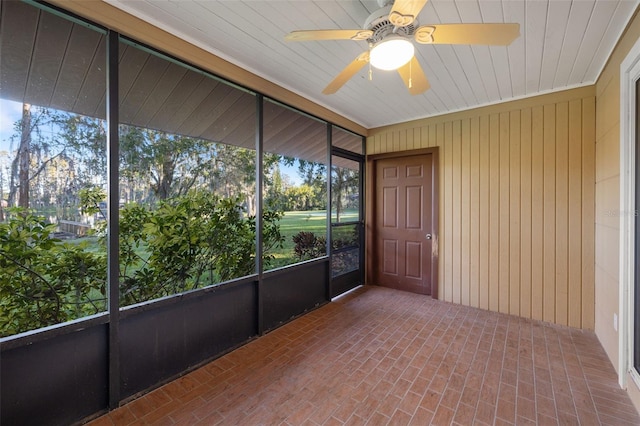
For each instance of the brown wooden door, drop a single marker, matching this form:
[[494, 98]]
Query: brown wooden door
[[403, 220]]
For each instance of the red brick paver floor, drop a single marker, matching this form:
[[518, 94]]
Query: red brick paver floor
[[378, 356]]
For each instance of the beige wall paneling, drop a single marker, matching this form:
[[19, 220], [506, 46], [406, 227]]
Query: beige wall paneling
[[446, 215], [504, 260], [415, 138], [474, 212], [588, 212], [494, 212], [456, 213], [484, 212], [537, 212], [424, 137], [574, 273], [549, 209], [605, 256], [465, 211], [514, 204], [516, 231], [607, 200], [526, 209], [562, 211], [433, 135], [402, 140], [607, 185]]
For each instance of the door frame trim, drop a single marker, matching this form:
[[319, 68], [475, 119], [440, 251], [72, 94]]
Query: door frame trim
[[629, 74], [371, 202]]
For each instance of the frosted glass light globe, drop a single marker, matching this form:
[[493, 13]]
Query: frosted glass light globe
[[391, 53]]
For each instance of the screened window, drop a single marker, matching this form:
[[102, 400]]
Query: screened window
[[345, 215], [187, 178], [346, 207], [52, 169], [295, 176]]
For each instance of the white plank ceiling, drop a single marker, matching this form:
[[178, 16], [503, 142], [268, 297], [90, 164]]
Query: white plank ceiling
[[563, 44]]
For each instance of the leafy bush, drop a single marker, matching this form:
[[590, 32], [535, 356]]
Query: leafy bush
[[43, 281], [309, 246], [188, 242]]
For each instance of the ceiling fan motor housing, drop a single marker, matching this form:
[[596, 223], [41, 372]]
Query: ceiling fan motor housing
[[379, 23]]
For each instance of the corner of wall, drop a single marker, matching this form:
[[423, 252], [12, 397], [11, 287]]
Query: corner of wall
[[610, 222], [634, 392]]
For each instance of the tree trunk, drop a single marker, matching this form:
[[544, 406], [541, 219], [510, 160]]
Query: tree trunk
[[13, 185], [24, 155], [337, 188]]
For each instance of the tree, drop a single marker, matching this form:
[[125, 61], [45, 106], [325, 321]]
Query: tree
[[313, 175], [300, 198], [3, 156], [234, 174], [171, 165], [52, 159], [24, 155], [344, 182]]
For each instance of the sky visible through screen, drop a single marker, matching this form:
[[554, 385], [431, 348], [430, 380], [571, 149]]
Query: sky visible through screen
[[11, 112]]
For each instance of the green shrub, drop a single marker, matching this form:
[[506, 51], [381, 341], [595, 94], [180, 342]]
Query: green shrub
[[309, 246], [188, 242], [43, 281]]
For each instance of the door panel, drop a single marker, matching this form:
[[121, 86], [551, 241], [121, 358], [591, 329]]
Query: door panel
[[414, 208], [414, 251], [403, 218], [390, 207]]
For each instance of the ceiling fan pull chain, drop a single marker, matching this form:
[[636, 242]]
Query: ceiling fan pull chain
[[370, 72]]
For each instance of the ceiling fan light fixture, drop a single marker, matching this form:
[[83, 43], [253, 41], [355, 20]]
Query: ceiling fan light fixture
[[391, 53]]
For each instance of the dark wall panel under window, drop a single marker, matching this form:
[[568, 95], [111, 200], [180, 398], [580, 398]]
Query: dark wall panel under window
[[345, 282], [161, 342], [289, 292], [55, 381]]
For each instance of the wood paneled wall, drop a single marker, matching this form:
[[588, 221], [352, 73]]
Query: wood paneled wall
[[608, 283], [516, 229]]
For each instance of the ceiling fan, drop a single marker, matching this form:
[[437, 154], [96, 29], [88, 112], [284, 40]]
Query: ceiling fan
[[389, 32]]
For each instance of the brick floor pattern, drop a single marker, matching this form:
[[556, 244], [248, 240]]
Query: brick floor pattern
[[378, 356]]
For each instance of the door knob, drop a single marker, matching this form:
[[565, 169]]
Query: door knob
[[428, 236]]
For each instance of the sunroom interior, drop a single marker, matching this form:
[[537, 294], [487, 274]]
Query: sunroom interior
[[529, 204]]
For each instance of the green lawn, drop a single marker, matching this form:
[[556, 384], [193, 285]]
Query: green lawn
[[291, 224], [309, 221]]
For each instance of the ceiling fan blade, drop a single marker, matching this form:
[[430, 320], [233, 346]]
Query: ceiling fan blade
[[309, 35], [347, 73], [414, 77], [491, 34], [404, 12]]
